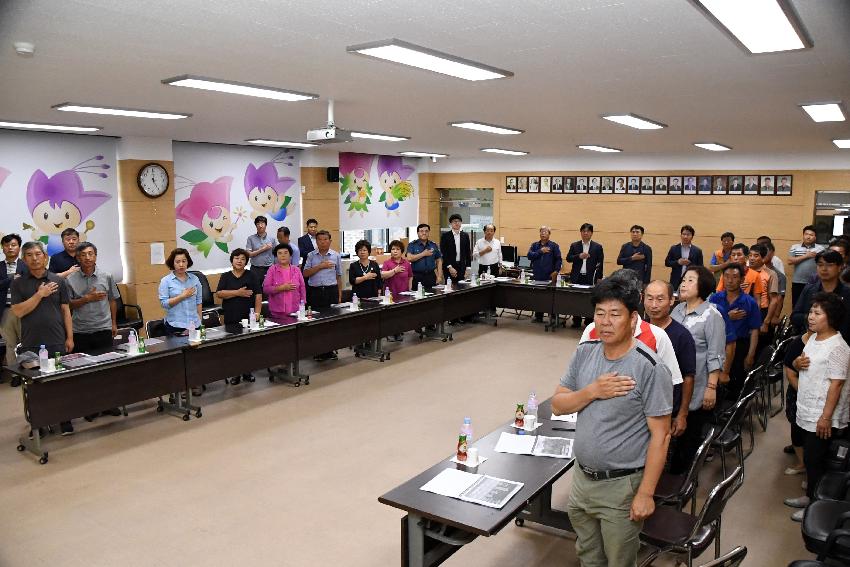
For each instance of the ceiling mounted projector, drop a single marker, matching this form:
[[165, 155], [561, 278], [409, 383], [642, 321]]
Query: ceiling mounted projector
[[330, 134]]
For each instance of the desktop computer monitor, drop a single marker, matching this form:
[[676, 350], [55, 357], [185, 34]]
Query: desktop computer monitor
[[509, 253], [523, 263]]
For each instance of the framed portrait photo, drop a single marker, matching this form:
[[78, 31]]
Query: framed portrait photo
[[736, 185], [619, 185], [661, 185], [768, 185], [522, 184], [751, 185], [704, 185], [634, 186], [783, 184], [689, 187], [557, 184], [533, 184], [718, 185], [581, 184], [646, 185], [545, 184], [607, 185], [569, 184], [510, 184], [674, 186], [593, 184]]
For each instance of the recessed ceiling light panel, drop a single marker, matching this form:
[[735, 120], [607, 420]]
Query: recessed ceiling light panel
[[505, 152], [126, 112], [412, 55], [843, 144], [712, 147], [262, 142], [423, 154], [595, 148], [760, 26], [232, 87], [47, 127], [824, 111], [488, 128], [381, 137], [634, 121]]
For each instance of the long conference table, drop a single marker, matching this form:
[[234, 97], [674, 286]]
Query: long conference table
[[172, 367]]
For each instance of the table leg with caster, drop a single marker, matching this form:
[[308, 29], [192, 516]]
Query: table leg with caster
[[292, 375]]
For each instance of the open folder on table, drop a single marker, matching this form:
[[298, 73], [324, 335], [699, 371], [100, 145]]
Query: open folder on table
[[535, 445], [476, 488]]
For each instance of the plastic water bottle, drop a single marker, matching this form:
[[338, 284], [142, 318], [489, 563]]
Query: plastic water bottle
[[448, 285], [522, 276], [466, 429], [252, 318], [420, 291], [192, 336], [531, 407], [42, 358], [355, 302], [132, 342], [301, 309]]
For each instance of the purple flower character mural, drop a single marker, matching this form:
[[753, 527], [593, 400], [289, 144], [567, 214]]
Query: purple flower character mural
[[354, 187], [208, 209], [266, 190], [60, 201], [4, 173], [393, 175]]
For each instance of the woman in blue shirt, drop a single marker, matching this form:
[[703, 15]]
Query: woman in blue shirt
[[180, 294]]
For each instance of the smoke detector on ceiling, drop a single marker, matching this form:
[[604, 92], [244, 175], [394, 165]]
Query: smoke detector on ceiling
[[24, 48]]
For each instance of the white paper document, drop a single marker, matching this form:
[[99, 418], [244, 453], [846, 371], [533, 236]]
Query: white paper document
[[538, 446], [476, 488], [568, 417], [581, 286]]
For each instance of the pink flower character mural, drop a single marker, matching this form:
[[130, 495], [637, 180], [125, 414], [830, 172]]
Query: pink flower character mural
[[354, 187], [208, 209], [393, 175], [61, 202], [266, 190]]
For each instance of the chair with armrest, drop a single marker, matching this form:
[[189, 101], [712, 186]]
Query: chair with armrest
[[678, 489], [210, 318], [731, 559], [207, 297], [128, 314], [155, 328], [670, 530], [829, 550]]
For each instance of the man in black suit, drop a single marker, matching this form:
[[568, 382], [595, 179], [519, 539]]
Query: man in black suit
[[307, 243], [682, 255], [587, 258], [455, 249], [751, 187], [633, 186], [10, 268]]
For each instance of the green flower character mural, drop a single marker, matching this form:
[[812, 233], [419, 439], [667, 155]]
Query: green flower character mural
[[354, 187]]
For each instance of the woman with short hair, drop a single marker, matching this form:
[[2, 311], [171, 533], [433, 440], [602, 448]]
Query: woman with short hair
[[180, 294]]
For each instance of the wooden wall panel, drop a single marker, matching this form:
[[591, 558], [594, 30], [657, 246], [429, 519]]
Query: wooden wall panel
[[321, 202]]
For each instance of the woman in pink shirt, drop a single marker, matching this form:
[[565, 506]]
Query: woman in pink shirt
[[284, 284], [397, 273]]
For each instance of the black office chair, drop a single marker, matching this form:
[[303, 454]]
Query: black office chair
[[207, 298], [731, 435], [731, 559], [670, 530], [830, 550], [210, 318], [155, 328], [826, 530], [128, 314], [678, 489]]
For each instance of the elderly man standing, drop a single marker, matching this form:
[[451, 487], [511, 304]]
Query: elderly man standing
[[40, 301], [623, 396], [546, 261]]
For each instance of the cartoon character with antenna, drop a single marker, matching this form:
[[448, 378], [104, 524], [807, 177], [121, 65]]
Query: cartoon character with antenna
[[208, 209], [60, 201], [354, 170], [266, 191], [393, 175]]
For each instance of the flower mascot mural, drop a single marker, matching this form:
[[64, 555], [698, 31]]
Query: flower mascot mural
[[208, 210], [60, 202], [354, 170], [393, 175], [266, 190]]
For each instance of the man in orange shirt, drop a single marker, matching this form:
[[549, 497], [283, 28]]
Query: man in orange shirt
[[758, 256], [753, 284]]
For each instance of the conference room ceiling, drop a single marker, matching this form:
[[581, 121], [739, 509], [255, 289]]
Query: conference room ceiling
[[572, 62]]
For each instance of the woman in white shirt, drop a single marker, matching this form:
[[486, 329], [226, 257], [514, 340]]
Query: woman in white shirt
[[822, 394], [488, 250]]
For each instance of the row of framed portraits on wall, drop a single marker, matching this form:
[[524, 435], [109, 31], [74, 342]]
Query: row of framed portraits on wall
[[646, 185]]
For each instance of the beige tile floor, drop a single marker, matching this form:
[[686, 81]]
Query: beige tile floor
[[276, 475]]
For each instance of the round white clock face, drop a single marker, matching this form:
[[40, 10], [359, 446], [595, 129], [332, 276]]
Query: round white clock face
[[153, 180]]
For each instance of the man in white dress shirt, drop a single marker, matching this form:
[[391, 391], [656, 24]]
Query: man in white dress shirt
[[488, 251]]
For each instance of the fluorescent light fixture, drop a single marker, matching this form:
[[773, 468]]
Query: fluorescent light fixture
[[382, 137], [824, 111], [128, 112], [412, 55], [422, 154], [712, 147], [261, 142], [843, 144], [49, 127], [489, 128], [595, 148], [506, 152], [634, 121], [760, 26], [232, 87]]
